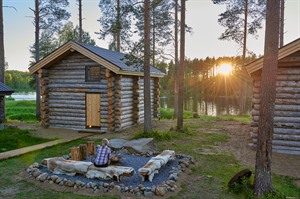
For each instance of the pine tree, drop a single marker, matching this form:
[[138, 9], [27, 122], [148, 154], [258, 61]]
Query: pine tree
[[48, 15], [147, 87], [116, 22], [263, 178]]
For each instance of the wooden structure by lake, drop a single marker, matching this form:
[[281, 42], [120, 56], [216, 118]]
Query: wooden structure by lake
[[286, 137], [87, 87], [4, 90]]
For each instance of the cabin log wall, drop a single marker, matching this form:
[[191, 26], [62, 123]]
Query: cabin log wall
[[286, 137], [66, 91], [43, 75]]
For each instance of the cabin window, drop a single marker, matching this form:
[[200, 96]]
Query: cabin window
[[92, 73]]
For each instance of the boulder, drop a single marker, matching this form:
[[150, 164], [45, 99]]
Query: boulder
[[140, 146], [117, 144]]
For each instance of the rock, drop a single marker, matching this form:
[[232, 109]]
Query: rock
[[117, 187], [112, 185], [141, 186], [58, 180], [42, 177], [35, 165], [173, 176], [79, 183], [160, 191], [135, 190], [138, 194], [153, 188], [105, 185], [185, 162], [70, 183], [53, 178], [36, 173], [140, 146], [116, 144], [148, 193], [122, 152]]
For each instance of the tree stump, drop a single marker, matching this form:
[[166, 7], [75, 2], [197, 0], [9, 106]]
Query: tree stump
[[75, 153], [91, 147], [83, 151]]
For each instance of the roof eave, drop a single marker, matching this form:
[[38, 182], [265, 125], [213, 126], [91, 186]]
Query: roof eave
[[286, 50], [71, 46], [6, 93], [135, 73]]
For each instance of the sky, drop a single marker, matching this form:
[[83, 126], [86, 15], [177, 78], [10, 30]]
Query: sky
[[201, 15]]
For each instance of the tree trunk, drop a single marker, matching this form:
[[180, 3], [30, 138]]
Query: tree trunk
[[2, 66], [147, 86], [118, 27], [37, 58], [243, 91], [281, 30], [176, 61], [181, 69], [80, 20], [153, 36], [263, 181]]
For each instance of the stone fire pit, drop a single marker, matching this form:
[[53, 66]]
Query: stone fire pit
[[143, 179]]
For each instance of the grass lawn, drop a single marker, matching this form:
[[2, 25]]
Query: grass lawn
[[20, 110], [206, 179], [14, 138]]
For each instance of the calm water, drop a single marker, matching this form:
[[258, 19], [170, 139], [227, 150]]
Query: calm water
[[208, 106], [23, 96]]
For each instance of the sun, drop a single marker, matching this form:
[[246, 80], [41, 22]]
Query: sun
[[225, 69]]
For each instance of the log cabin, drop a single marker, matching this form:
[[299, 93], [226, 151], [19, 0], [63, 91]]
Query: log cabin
[[88, 87], [4, 90], [286, 137]]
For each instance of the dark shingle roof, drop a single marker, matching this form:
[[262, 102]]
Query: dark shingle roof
[[117, 58], [5, 89]]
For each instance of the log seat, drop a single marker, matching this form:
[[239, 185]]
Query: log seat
[[59, 165], [155, 163]]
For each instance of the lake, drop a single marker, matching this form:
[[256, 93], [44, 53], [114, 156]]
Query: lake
[[212, 106], [23, 96]]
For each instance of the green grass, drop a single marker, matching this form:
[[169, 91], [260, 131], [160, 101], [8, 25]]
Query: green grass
[[21, 110], [167, 113], [14, 138]]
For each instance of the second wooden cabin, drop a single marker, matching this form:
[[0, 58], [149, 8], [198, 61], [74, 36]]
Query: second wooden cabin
[[87, 87], [286, 137]]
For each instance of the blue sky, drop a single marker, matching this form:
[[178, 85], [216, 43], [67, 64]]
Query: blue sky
[[202, 16]]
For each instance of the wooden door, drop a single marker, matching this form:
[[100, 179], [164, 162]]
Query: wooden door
[[92, 110]]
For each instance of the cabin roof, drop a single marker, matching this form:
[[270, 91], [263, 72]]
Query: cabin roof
[[113, 60], [5, 90], [283, 52]]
